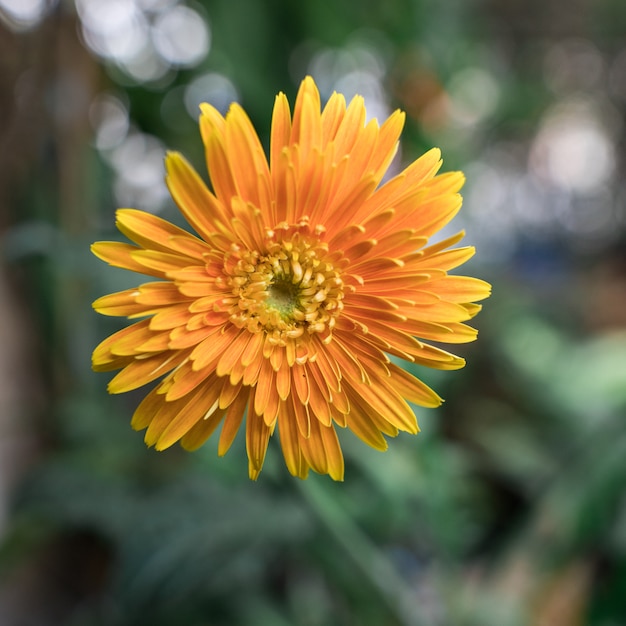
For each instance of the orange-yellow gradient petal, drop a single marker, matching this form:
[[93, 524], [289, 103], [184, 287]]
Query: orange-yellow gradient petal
[[305, 276]]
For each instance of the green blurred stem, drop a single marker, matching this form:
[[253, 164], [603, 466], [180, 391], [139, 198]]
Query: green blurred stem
[[398, 596]]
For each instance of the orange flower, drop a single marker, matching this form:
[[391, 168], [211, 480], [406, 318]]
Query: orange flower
[[306, 276]]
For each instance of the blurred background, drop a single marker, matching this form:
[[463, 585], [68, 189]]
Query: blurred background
[[509, 509]]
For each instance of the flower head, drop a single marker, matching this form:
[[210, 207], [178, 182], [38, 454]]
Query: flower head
[[307, 274]]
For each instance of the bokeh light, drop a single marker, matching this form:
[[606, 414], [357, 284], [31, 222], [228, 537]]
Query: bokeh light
[[146, 39], [214, 88], [138, 164], [573, 149], [357, 68], [180, 36], [110, 121], [23, 15]]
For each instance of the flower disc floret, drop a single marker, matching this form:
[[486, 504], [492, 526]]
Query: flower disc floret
[[292, 287]]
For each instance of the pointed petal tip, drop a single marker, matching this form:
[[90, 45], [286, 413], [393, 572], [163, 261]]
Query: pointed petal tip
[[308, 86], [160, 446], [172, 156], [253, 471], [207, 109], [434, 153]]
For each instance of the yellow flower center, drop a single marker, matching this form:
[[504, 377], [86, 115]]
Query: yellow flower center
[[290, 288]]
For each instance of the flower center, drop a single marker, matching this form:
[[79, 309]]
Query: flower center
[[291, 288], [282, 296]]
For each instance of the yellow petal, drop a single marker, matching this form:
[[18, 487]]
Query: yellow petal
[[200, 207], [143, 371], [202, 405], [121, 255], [154, 233], [246, 154], [413, 389]]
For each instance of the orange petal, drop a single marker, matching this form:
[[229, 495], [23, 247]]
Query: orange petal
[[332, 115], [212, 348], [367, 424], [219, 166], [161, 420], [185, 380], [283, 382], [349, 366], [103, 353], [146, 410], [204, 212], [313, 449], [413, 389], [265, 387], [383, 399], [334, 456], [160, 263], [301, 411], [142, 371], [300, 383], [307, 92], [171, 317], [121, 255], [232, 422], [437, 358], [289, 441], [235, 352], [201, 431], [154, 233], [257, 438], [121, 303], [229, 393], [461, 288], [319, 396], [246, 154], [202, 405]]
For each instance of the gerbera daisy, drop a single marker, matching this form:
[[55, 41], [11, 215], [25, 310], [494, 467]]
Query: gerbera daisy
[[306, 275]]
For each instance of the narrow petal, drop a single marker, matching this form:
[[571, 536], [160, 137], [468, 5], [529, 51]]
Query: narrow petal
[[313, 449], [307, 104], [201, 431], [332, 116], [143, 371], [219, 168], [412, 388], [235, 352], [152, 232], [232, 422], [202, 405], [122, 303], [257, 438], [200, 207], [290, 442], [146, 410], [265, 387], [461, 289], [362, 426], [334, 456], [246, 154], [211, 349], [283, 382], [120, 255]]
